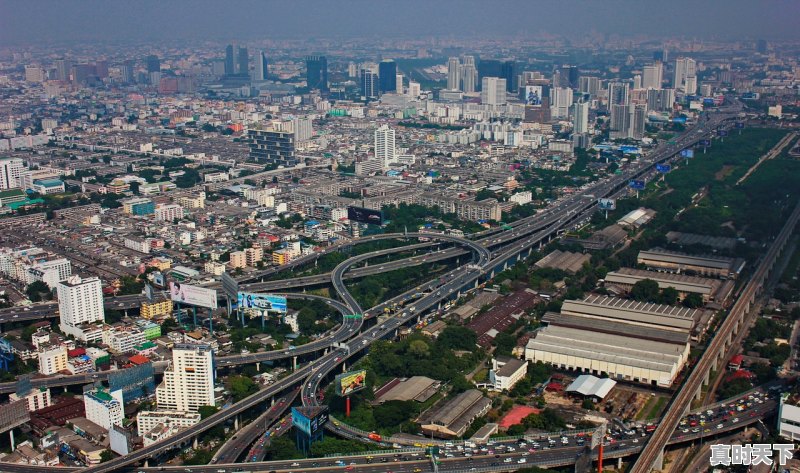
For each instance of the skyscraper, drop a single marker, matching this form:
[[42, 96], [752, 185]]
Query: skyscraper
[[189, 380], [11, 173], [80, 301], [660, 100], [152, 63], [126, 71], [580, 119], [317, 73], [387, 72], [243, 62], [618, 109], [262, 67], [469, 74], [652, 76], [62, 69], [561, 102], [617, 93], [589, 85], [453, 74], [507, 72], [399, 84], [229, 67], [493, 91], [369, 84], [684, 67], [385, 146]]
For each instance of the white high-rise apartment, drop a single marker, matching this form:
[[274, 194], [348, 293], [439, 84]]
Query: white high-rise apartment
[[561, 102], [493, 91], [469, 74], [385, 151], [453, 74], [262, 67], [652, 76], [399, 84], [10, 173], [303, 128], [684, 67], [580, 120], [104, 408], [414, 89], [80, 301], [690, 85], [189, 380]]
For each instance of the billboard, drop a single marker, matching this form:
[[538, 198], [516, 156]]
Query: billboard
[[687, 153], [739, 125], [193, 295], [261, 304], [607, 204], [663, 168], [309, 420], [705, 142], [533, 95], [158, 279], [363, 215], [229, 285], [350, 382], [148, 292], [722, 133], [636, 184]]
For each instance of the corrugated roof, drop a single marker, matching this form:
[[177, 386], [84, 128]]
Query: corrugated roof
[[588, 385]]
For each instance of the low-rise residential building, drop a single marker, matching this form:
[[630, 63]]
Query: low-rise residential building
[[52, 360]]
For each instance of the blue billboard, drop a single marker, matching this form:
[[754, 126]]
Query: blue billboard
[[607, 204], [630, 149], [705, 142], [663, 168], [309, 420], [636, 184], [260, 304], [681, 120], [722, 132], [687, 153], [739, 125], [708, 102]]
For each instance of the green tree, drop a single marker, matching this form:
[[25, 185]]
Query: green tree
[[645, 290], [693, 300], [419, 349], [206, 411], [392, 413], [669, 295], [457, 338], [105, 456], [240, 387], [38, 290]]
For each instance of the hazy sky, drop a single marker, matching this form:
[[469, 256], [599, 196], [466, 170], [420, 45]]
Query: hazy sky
[[25, 21]]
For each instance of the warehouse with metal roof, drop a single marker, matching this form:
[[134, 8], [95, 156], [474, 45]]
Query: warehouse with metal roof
[[707, 288], [451, 418], [664, 316], [670, 261], [591, 386]]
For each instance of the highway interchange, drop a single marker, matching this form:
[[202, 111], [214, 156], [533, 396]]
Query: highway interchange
[[351, 338]]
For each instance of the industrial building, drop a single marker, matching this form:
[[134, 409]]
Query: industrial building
[[566, 261], [590, 386], [709, 289], [452, 418], [415, 388], [673, 262], [621, 339]]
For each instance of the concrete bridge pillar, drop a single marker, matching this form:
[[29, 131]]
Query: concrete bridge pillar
[[236, 423], [272, 402], [294, 363], [147, 463], [194, 443], [258, 366], [699, 394], [344, 367], [706, 378], [619, 463], [659, 463], [396, 333], [714, 363]]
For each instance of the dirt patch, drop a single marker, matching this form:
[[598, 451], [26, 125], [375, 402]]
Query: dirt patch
[[724, 172]]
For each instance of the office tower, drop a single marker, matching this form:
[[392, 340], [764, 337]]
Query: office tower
[[414, 89], [580, 118], [243, 62], [126, 71], [352, 70], [152, 63], [229, 67], [369, 84], [385, 146], [11, 173], [661, 56], [398, 82], [273, 147], [617, 93], [35, 74], [652, 76], [488, 68], [453, 74], [660, 100], [80, 301], [189, 380], [566, 76], [493, 91], [561, 100], [507, 72], [101, 69], [317, 73], [104, 408], [63, 67], [684, 67], [80, 73], [469, 75], [761, 46], [637, 82], [637, 121], [589, 85], [620, 121], [262, 67], [387, 73]]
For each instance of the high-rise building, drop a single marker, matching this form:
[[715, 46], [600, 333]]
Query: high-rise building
[[661, 56], [652, 76], [469, 75], [507, 72], [63, 67], [273, 147], [690, 85], [126, 71], [11, 173], [104, 408], [303, 128], [561, 102], [262, 67], [414, 89], [229, 63], [35, 74], [317, 73], [385, 151], [619, 121], [152, 63], [369, 84], [493, 91], [637, 82], [453, 74], [580, 118], [488, 68], [80, 301], [243, 62], [684, 67], [617, 93], [189, 380], [387, 72], [589, 85], [637, 121], [761, 46], [398, 86], [660, 100], [101, 68], [566, 76]]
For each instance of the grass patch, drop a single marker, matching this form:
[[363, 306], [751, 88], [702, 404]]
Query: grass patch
[[652, 408]]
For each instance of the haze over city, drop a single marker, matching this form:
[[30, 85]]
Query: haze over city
[[399, 236]]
